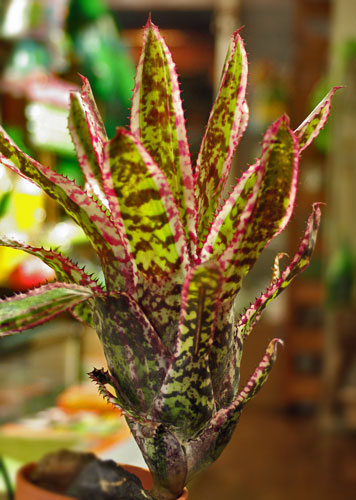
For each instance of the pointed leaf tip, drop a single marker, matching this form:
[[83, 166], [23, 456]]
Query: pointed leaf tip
[[227, 122], [310, 128], [157, 120]]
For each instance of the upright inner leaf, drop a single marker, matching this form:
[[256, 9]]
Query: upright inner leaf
[[157, 119], [221, 136]]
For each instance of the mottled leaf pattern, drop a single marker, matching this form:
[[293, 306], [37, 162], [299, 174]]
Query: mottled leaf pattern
[[186, 398], [230, 222], [147, 207], [207, 447], [95, 123], [139, 195], [165, 456], [157, 119], [226, 123], [272, 209], [311, 126], [136, 356], [24, 311], [262, 215], [174, 248]]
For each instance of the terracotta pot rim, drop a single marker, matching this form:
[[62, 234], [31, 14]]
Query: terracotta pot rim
[[26, 487]]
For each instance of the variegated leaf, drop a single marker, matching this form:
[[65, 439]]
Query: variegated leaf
[[258, 378], [157, 119], [66, 271], [273, 207], [299, 263], [278, 164], [140, 197], [312, 125], [135, 354], [186, 398], [139, 194], [118, 268], [230, 222], [95, 123], [24, 311], [226, 124], [82, 139]]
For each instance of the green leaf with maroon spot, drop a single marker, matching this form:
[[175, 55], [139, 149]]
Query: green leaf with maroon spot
[[226, 123], [139, 194], [24, 311], [157, 119], [233, 217], [273, 206], [186, 398], [135, 354]]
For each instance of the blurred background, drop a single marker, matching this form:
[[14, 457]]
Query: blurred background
[[297, 438]]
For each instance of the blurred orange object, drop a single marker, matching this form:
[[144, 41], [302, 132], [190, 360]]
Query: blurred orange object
[[84, 397]]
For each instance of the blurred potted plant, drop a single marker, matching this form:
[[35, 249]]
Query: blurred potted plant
[[174, 252]]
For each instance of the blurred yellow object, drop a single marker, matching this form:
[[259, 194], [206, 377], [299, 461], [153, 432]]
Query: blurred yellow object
[[28, 205], [9, 260]]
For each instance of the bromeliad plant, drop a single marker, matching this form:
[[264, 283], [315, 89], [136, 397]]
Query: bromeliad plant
[[174, 251]]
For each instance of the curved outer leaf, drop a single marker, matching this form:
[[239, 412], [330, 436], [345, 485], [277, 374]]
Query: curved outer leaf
[[274, 206], [66, 271], [136, 357], [186, 398], [258, 378], [24, 311], [299, 263], [227, 121], [157, 119], [204, 450], [312, 125], [117, 266]]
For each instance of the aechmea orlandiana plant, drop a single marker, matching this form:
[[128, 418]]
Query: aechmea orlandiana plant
[[174, 251]]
